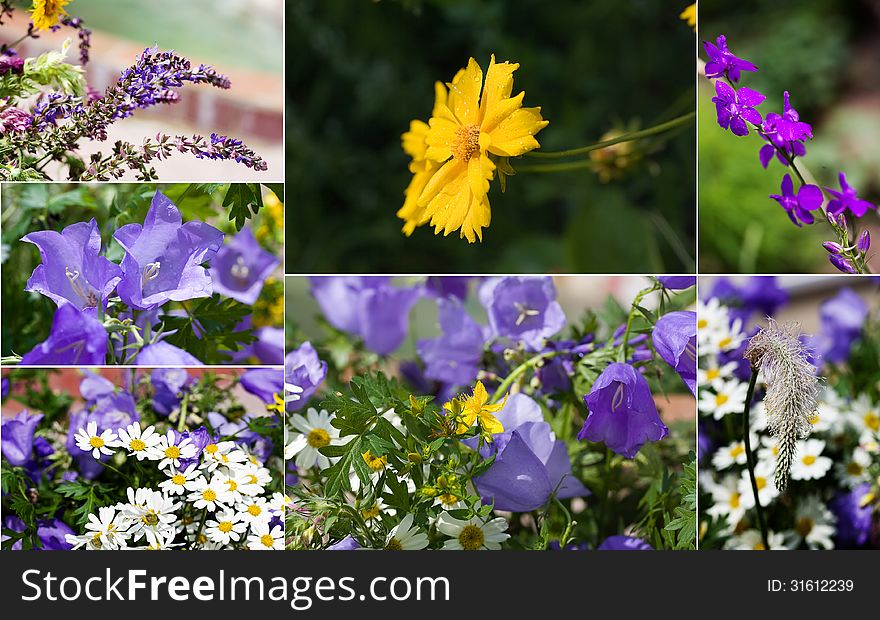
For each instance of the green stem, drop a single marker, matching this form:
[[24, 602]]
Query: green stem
[[201, 527], [519, 370], [750, 459], [621, 354], [181, 423], [627, 137], [560, 167]]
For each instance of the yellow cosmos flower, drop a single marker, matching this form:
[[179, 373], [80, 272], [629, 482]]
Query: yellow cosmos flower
[[46, 13], [474, 127], [475, 407], [690, 15]]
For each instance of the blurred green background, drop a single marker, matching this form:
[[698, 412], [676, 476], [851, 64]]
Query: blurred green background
[[826, 53], [358, 72]]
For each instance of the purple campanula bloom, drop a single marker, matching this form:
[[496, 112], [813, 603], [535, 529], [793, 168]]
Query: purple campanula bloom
[[677, 283], [522, 308], [622, 411], [72, 269], [164, 354], [17, 437], [40, 460], [6, 387], [75, 339], [448, 286], [847, 198], [455, 356], [163, 258], [51, 533], [305, 370], [787, 126], [346, 544], [853, 517], [737, 108], [762, 294], [94, 386], [168, 387], [624, 543], [675, 340], [798, 206], [269, 345], [366, 306], [264, 383], [723, 62], [240, 268], [200, 438], [842, 318], [115, 411]]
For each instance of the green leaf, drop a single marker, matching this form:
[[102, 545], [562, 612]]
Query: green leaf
[[244, 201], [208, 330]]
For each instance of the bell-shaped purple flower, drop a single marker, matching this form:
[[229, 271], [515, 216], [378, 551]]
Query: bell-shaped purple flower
[[93, 386], [675, 340], [853, 517], [842, 318], [72, 269], [51, 533], [624, 543], [737, 108], [241, 266], [17, 437], [677, 283], [522, 308], [723, 62], [303, 369], [622, 411], [798, 206], [455, 356], [164, 354], [76, 339], [447, 286], [762, 294], [163, 258], [263, 383], [269, 345], [115, 411], [847, 198], [169, 385]]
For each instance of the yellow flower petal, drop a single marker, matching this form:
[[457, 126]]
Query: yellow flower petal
[[515, 135], [500, 111], [499, 85], [491, 424], [466, 103], [414, 141]]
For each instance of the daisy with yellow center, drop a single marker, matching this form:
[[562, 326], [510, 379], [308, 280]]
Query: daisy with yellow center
[[254, 509], [406, 537], [262, 538], [175, 484], [88, 439], [171, 448], [139, 443], [46, 13], [310, 433], [473, 534], [225, 528], [210, 495]]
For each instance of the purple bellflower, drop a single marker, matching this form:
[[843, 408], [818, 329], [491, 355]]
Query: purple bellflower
[[523, 309], [737, 108], [168, 387], [622, 411], [798, 206], [455, 356], [163, 258], [723, 62], [269, 345], [853, 517], [263, 383], [17, 441], [845, 199], [842, 318], [624, 543], [72, 269], [675, 340], [240, 268], [305, 370], [164, 354], [75, 339], [677, 283]]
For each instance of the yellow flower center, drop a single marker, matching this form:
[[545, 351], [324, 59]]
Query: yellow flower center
[[872, 421], [448, 499], [151, 518], [809, 459], [232, 484], [737, 450], [267, 540], [854, 469], [702, 324], [393, 545], [211, 448], [804, 526], [372, 512], [225, 526], [137, 445], [814, 419], [466, 142], [720, 399], [254, 510], [758, 546], [760, 482], [734, 500], [713, 373], [252, 479], [471, 538], [209, 495], [172, 452], [318, 438], [96, 442], [178, 479], [725, 342], [96, 540]]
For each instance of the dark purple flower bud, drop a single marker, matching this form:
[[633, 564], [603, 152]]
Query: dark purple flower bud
[[240, 268], [723, 62], [833, 248], [622, 411], [675, 340], [624, 543], [523, 309], [677, 283], [75, 339], [845, 199], [17, 437], [842, 264], [455, 356], [864, 242], [303, 369], [798, 206], [264, 383], [737, 108]]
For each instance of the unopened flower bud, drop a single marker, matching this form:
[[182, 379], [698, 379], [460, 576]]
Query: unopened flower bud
[[833, 248], [841, 263], [864, 241]]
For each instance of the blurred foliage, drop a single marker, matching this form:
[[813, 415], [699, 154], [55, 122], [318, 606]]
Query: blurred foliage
[[808, 47], [359, 72]]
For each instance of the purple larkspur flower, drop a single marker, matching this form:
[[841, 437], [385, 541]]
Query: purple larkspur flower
[[263, 383], [269, 345], [788, 125], [523, 309], [841, 264], [842, 318], [737, 108], [622, 411], [241, 267], [784, 151], [624, 543], [303, 369], [847, 198], [723, 62], [17, 437], [853, 517], [455, 356], [530, 463], [675, 340], [366, 306], [164, 354], [677, 283], [169, 384], [163, 258], [75, 339], [72, 269], [798, 206], [447, 286]]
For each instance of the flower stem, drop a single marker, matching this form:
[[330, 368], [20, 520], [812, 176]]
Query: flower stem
[[181, 423], [627, 137], [201, 527], [750, 459], [621, 354], [519, 370]]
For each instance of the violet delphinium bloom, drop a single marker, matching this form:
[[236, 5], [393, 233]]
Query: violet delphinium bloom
[[675, 340], [303, 369], [164, 354], [17, 437], [784, 151], [72, 269], [788, 125], [737, 108], [847, 198], [523, 308], [240, 268], [798, 206], [842, 318], [75, 339], [624, 543], [622, 411], [168, 387], [677, 283], [163, 258], [263, 383], [853, 517], [455, 356], [723, 62], [530, 463]]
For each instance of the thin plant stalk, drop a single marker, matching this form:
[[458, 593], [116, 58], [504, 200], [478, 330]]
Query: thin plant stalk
[[750, 459]]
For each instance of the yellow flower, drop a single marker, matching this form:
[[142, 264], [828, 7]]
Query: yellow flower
[[473, 125], [46, 13], [278, 406], [690, 15], [476, 407], [376, 463]]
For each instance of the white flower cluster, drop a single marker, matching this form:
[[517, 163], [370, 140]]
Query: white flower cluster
[[850, 429], [210, 499]]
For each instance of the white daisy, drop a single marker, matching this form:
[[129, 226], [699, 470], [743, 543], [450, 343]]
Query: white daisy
[[769, 449], [214, 453], [405, 537], [89, 440], [138, 443], [252, 480], [733, 454], [171, 449], [230, 478], [712, 318], [473, 534], [814, 523], [210, 495], [726, 500], [264, 539], [175, 484], [315, 431], [228, 527], [809, 463], [865, 416], [160, 541], [751, 540], [149, 511], [715, 375], [108, 529], [292, 392], [854, 470], [763, 480], [279, 503], [825, 418], [254, 509], [729, 398]]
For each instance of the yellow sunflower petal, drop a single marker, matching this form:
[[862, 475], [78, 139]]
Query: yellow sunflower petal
[[515, 135]]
